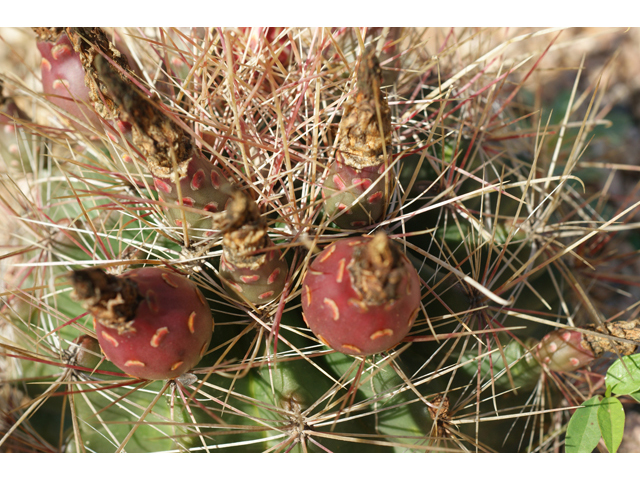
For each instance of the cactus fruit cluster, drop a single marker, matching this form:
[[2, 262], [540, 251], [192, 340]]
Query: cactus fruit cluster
[[407, 244]]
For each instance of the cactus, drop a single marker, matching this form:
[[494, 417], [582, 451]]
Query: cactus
[[423, 176]]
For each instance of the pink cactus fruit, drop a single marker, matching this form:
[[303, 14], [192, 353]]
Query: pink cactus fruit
[[361, 296], [63, 77], [364, 148], [151, 323], [251, 265], [566, 350], [561, 351]]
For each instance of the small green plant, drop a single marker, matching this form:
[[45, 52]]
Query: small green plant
[[602, 417]]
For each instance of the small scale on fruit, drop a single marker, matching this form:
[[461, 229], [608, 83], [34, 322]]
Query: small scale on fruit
[[361, 295], [151, 323]]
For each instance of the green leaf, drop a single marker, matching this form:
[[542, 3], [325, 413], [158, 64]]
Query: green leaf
[[623, 377], [611, 421], [636, 396], [583, 431]]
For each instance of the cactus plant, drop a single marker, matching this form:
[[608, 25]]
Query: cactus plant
[[491, 226]]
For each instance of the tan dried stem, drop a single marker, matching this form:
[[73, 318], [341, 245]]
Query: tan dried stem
[[362, 141], [376, 270], [88, 43], [244, 232], [49, 34], [112, 300], [629, 330], [153, 131]]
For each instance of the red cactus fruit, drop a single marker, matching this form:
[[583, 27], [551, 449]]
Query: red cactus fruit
[[568, 350], [151, 323], [364, 147], [250, 263], [361, 296]]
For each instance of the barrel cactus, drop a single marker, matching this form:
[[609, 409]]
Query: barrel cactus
[[405, 243]]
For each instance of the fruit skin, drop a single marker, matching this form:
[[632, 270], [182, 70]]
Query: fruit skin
[[259, 285], [360, 311], [343, 186], [63, 79], [168, 331]]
